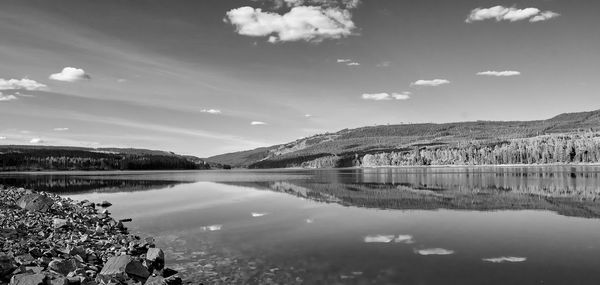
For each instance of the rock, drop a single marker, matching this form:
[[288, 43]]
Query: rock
[[155, 258], [59, 281], [120, 267], [155, 280], [173, 280], [7, 265], [34, 269], [35, 202], [59, 223], [136, 269], [104, 204], [63, 266], [28, 279], [25, 259], [168, 272]]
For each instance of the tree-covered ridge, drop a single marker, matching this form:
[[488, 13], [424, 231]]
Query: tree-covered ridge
[[573, 148], [26, 158], [347, 147]]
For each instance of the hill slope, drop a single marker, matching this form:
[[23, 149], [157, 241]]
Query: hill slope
[[34, 158], [347, 147]]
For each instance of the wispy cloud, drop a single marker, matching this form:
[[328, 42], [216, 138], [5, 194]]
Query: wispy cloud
[[211, 228], [543, 16], [384, 64], [70, 74], [353, 63], [434, 251], [499, 73], [407, 239], [258, 215], [379, 238], [60, 129], [24, 84], [308, 115], [503, 259], [430, 83], [6, 98], [211, 111], [512, 14], [301, 23], [257, 123], [386, 96], [343, 60], [2, 138]]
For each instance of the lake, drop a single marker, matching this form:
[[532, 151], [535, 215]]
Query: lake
[[487, 225]]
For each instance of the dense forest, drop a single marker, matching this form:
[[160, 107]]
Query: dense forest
[[24, 158], [478, 142], [574, 148]]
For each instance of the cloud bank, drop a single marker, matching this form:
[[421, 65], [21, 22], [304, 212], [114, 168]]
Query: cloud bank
[[301, 23], [499, 73], [512, 14], [430, 83], [21, 84], [70, 74]]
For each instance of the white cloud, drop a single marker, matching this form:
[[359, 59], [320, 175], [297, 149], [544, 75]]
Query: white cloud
[[6, 98], [499, 73], [379, 238], [36, 140], [434, 251], [353, 64], [512, 14], [70, 74], [386, 96], [431, 83], [2, 138], [308, 23], [278, 4], [407, 239], [212, 228], [61, 129], [308, 116], [25, 83], [211, 111], [343, 60], [546, 15], [257, 123], [503, 259], [258, 215]]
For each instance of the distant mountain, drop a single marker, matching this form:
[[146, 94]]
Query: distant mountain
[[38, 158], [349, 147]]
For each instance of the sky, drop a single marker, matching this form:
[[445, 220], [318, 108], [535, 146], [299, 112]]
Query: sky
[[206, 77]]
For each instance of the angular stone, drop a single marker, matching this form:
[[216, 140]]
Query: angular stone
[[119, 267], [35, 202], [7, 265], [25, 259], [59, 223], [63, 266], [155, 280], [59, 281], [156, 258], [28, 279]]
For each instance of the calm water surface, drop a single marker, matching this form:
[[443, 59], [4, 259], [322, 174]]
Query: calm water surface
[[537, 225]]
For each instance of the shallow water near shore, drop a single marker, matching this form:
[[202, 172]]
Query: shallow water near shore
[[509, 225]]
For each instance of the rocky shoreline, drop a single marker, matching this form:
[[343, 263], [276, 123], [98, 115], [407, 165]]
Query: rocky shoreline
[[49, 240]]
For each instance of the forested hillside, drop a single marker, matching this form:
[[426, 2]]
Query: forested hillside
[[37, 158], [566, 138]]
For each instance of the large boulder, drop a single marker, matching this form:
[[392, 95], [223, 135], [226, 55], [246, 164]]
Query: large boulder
[[121, 268], [28, 279], [35, 202], [63, 266], [155, 258], [7, 265]]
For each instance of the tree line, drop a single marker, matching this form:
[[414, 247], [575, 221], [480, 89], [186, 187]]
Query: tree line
[[57, 159], [571, 148]]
